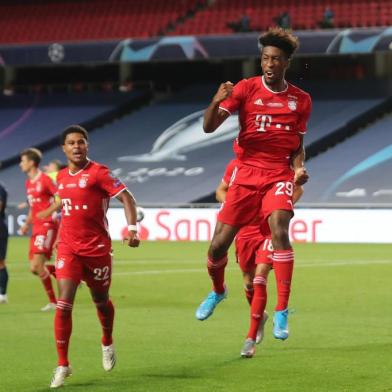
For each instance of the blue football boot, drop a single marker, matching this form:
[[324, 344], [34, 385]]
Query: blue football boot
[[281, 328], [207, 307]]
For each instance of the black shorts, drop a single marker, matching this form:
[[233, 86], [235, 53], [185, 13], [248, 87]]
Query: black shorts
[[3, 240]]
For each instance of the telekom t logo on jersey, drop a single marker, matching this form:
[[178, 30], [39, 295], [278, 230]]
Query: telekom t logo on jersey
[[67, 206], [262, 121]]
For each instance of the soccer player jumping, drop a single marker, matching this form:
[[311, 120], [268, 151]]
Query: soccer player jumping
[[273, 117], [84, 244]]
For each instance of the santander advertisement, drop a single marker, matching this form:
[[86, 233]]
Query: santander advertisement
[[308, 225]]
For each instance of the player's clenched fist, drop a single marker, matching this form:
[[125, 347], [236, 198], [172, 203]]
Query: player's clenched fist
[[301, 176], [133, 239], [224, 91]]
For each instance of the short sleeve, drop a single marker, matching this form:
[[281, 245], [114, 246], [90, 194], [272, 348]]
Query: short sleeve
[[233, 103], [304, 115], [109, 183], [229, 171]]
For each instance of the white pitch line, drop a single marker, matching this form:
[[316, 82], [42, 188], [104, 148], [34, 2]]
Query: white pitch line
[[186, 270], [204, 270]]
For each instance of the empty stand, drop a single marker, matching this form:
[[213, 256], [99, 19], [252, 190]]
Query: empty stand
[[304, 14], [354, 171], [180, 166], [29, 120], [62, 20]]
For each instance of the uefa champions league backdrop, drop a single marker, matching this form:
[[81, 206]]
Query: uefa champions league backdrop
[[197, 224]]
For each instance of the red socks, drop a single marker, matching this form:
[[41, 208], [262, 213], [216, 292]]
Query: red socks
[[283, 263], [216, 270], [63, 326], [47, 282], [62, 330], [258, 305], [105, 311]]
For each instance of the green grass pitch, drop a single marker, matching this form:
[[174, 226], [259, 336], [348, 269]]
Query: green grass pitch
[[340, 338]]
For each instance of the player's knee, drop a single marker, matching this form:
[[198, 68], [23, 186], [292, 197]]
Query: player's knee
[[34, 269], [248, 286], [217, 250]]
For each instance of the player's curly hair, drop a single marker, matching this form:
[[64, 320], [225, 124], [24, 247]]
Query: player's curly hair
[[32, 154], [73, 129], [281, 39]]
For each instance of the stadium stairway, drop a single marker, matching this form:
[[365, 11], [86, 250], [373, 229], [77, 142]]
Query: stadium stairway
[[23, 121]]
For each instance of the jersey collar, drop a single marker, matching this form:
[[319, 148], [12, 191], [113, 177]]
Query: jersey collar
[[272, 91], [75, 174], [37, 177]]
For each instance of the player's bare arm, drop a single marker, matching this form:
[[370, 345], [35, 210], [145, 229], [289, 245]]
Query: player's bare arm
[[25, 227], [298, 163], [213, 116], [220, 192], [129, 204], [56, 206]]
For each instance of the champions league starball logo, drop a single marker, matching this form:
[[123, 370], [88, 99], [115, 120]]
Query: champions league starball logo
[[184, 136], [56, 53]]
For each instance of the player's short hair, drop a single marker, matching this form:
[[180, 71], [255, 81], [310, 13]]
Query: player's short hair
[[32, 154], [73, 129], [280, 38]]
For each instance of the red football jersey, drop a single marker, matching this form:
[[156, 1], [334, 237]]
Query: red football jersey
[[270, 122], [85, 198], [40, 195]]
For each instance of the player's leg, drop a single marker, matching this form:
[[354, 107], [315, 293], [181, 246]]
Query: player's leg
[[217, 259], [240, 208], [98, 274], [248, 285], [283, 264], [105, 312], [245, 249], [37, 267], [63, 329], [3, 266], [258, 316], [69, 273], [217, 254], [3, 282]]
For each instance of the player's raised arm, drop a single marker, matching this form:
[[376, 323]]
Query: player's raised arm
[[213, 116], [129, 204]]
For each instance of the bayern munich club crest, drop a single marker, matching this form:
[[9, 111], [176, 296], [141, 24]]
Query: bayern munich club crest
[[292, 105], [83, 183], [60, 263]]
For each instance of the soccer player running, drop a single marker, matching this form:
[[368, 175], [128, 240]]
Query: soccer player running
[[40, 191], [273, 118], [3, 246], [84, 245]]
